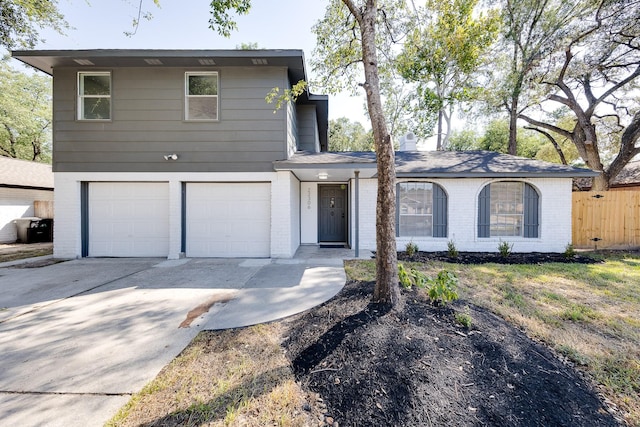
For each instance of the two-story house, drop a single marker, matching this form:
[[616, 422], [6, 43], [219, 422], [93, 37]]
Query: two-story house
[[169, 153]]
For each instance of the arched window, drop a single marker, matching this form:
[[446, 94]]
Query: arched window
[[421, 210], [508, 208]]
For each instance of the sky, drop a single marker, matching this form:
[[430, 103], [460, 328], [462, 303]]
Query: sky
[[184, 24]]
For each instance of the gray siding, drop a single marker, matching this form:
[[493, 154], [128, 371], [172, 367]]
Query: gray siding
[[308, 129], [148, 123]]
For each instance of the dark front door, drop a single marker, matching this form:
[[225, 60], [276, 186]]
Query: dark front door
[[332, 215]]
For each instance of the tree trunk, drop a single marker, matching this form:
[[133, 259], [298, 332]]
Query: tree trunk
[[439, 143], [387, 290], [513, 126]]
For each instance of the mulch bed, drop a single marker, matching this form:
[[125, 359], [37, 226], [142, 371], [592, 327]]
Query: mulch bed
[[417, 366], [497, 258]]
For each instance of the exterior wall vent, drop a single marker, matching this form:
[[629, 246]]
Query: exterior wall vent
[[408, 142]]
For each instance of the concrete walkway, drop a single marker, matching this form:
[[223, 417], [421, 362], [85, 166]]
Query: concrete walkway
[[78, 338]]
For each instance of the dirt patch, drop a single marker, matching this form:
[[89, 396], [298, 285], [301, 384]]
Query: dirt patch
[[204, 308], [418, 367]]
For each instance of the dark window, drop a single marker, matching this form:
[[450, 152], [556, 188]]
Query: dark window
[[422, 210], [507, 209], [94, 96]]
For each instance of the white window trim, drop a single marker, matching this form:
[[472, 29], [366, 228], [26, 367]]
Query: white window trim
[[81, 97], [187, 96]]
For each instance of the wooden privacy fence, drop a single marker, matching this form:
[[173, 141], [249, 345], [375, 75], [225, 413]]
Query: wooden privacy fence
[[43, 209], [606, 220]]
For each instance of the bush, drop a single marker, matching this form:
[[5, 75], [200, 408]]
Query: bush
[[505, 249], [442, 289], [403, 276], [452, 251], [411, 249], [569, 251], [464, 319]]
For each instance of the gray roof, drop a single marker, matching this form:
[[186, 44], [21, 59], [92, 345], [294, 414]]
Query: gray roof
[[629, 175], [440, 164], [25, 174]]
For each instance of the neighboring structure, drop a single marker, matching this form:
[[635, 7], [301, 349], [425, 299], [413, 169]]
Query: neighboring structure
[[21, 184], [627, 180], [176, 153]]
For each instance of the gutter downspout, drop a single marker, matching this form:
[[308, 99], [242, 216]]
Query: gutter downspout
[[357, 214]]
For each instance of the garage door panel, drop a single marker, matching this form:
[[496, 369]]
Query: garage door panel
[[128, 219], [228, 220]]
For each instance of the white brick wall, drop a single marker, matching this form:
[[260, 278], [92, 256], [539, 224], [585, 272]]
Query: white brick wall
[[17, 203], [285, 230], [555, 217]]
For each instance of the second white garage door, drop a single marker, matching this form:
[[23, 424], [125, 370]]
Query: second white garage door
[[228, 220]]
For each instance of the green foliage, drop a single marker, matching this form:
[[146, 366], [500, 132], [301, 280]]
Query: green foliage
[[345, 135], [21, 20], [411, 249], [452, 251], [464, 319], [444, 48], [25, 115], [443, 289], [221, 15], [569, 251], [504, 248], [404, 277], [466, 139], [578, 313], [288, 95]]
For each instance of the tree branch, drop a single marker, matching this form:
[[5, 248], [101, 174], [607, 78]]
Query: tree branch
[[547, 126], [553, 141]]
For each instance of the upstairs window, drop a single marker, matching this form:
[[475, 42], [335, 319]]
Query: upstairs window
[[508, 209], [422, 210], [201, 96], [94, 96]]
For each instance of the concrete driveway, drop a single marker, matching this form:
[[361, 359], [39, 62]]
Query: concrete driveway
[[79, 337]]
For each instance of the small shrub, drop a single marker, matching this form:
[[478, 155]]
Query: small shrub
[[404, 277], [411, 249], [505, 249], [419, 278], [569, 251], [464, 319], [410, 278], [443, 289], [452, 251]]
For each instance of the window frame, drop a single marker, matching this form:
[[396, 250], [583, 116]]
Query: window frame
[[438, 214], [80, 116], [188, 96], [529, 225]]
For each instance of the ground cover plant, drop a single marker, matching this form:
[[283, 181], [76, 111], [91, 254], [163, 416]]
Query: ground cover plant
[[347, 362]]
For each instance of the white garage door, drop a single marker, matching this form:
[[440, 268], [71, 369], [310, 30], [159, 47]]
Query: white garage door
[[129, 219], [228, 220]]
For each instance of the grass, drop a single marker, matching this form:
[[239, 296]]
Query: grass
[[589, 314], [26, 253], [231, 377]]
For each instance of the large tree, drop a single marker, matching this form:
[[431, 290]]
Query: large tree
[[357, 39], [447, 44], [21, 20], [530, 30], [594, 76], [345, 135], [25, 115]]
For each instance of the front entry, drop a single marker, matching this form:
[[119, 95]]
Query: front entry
[[332, 213]]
